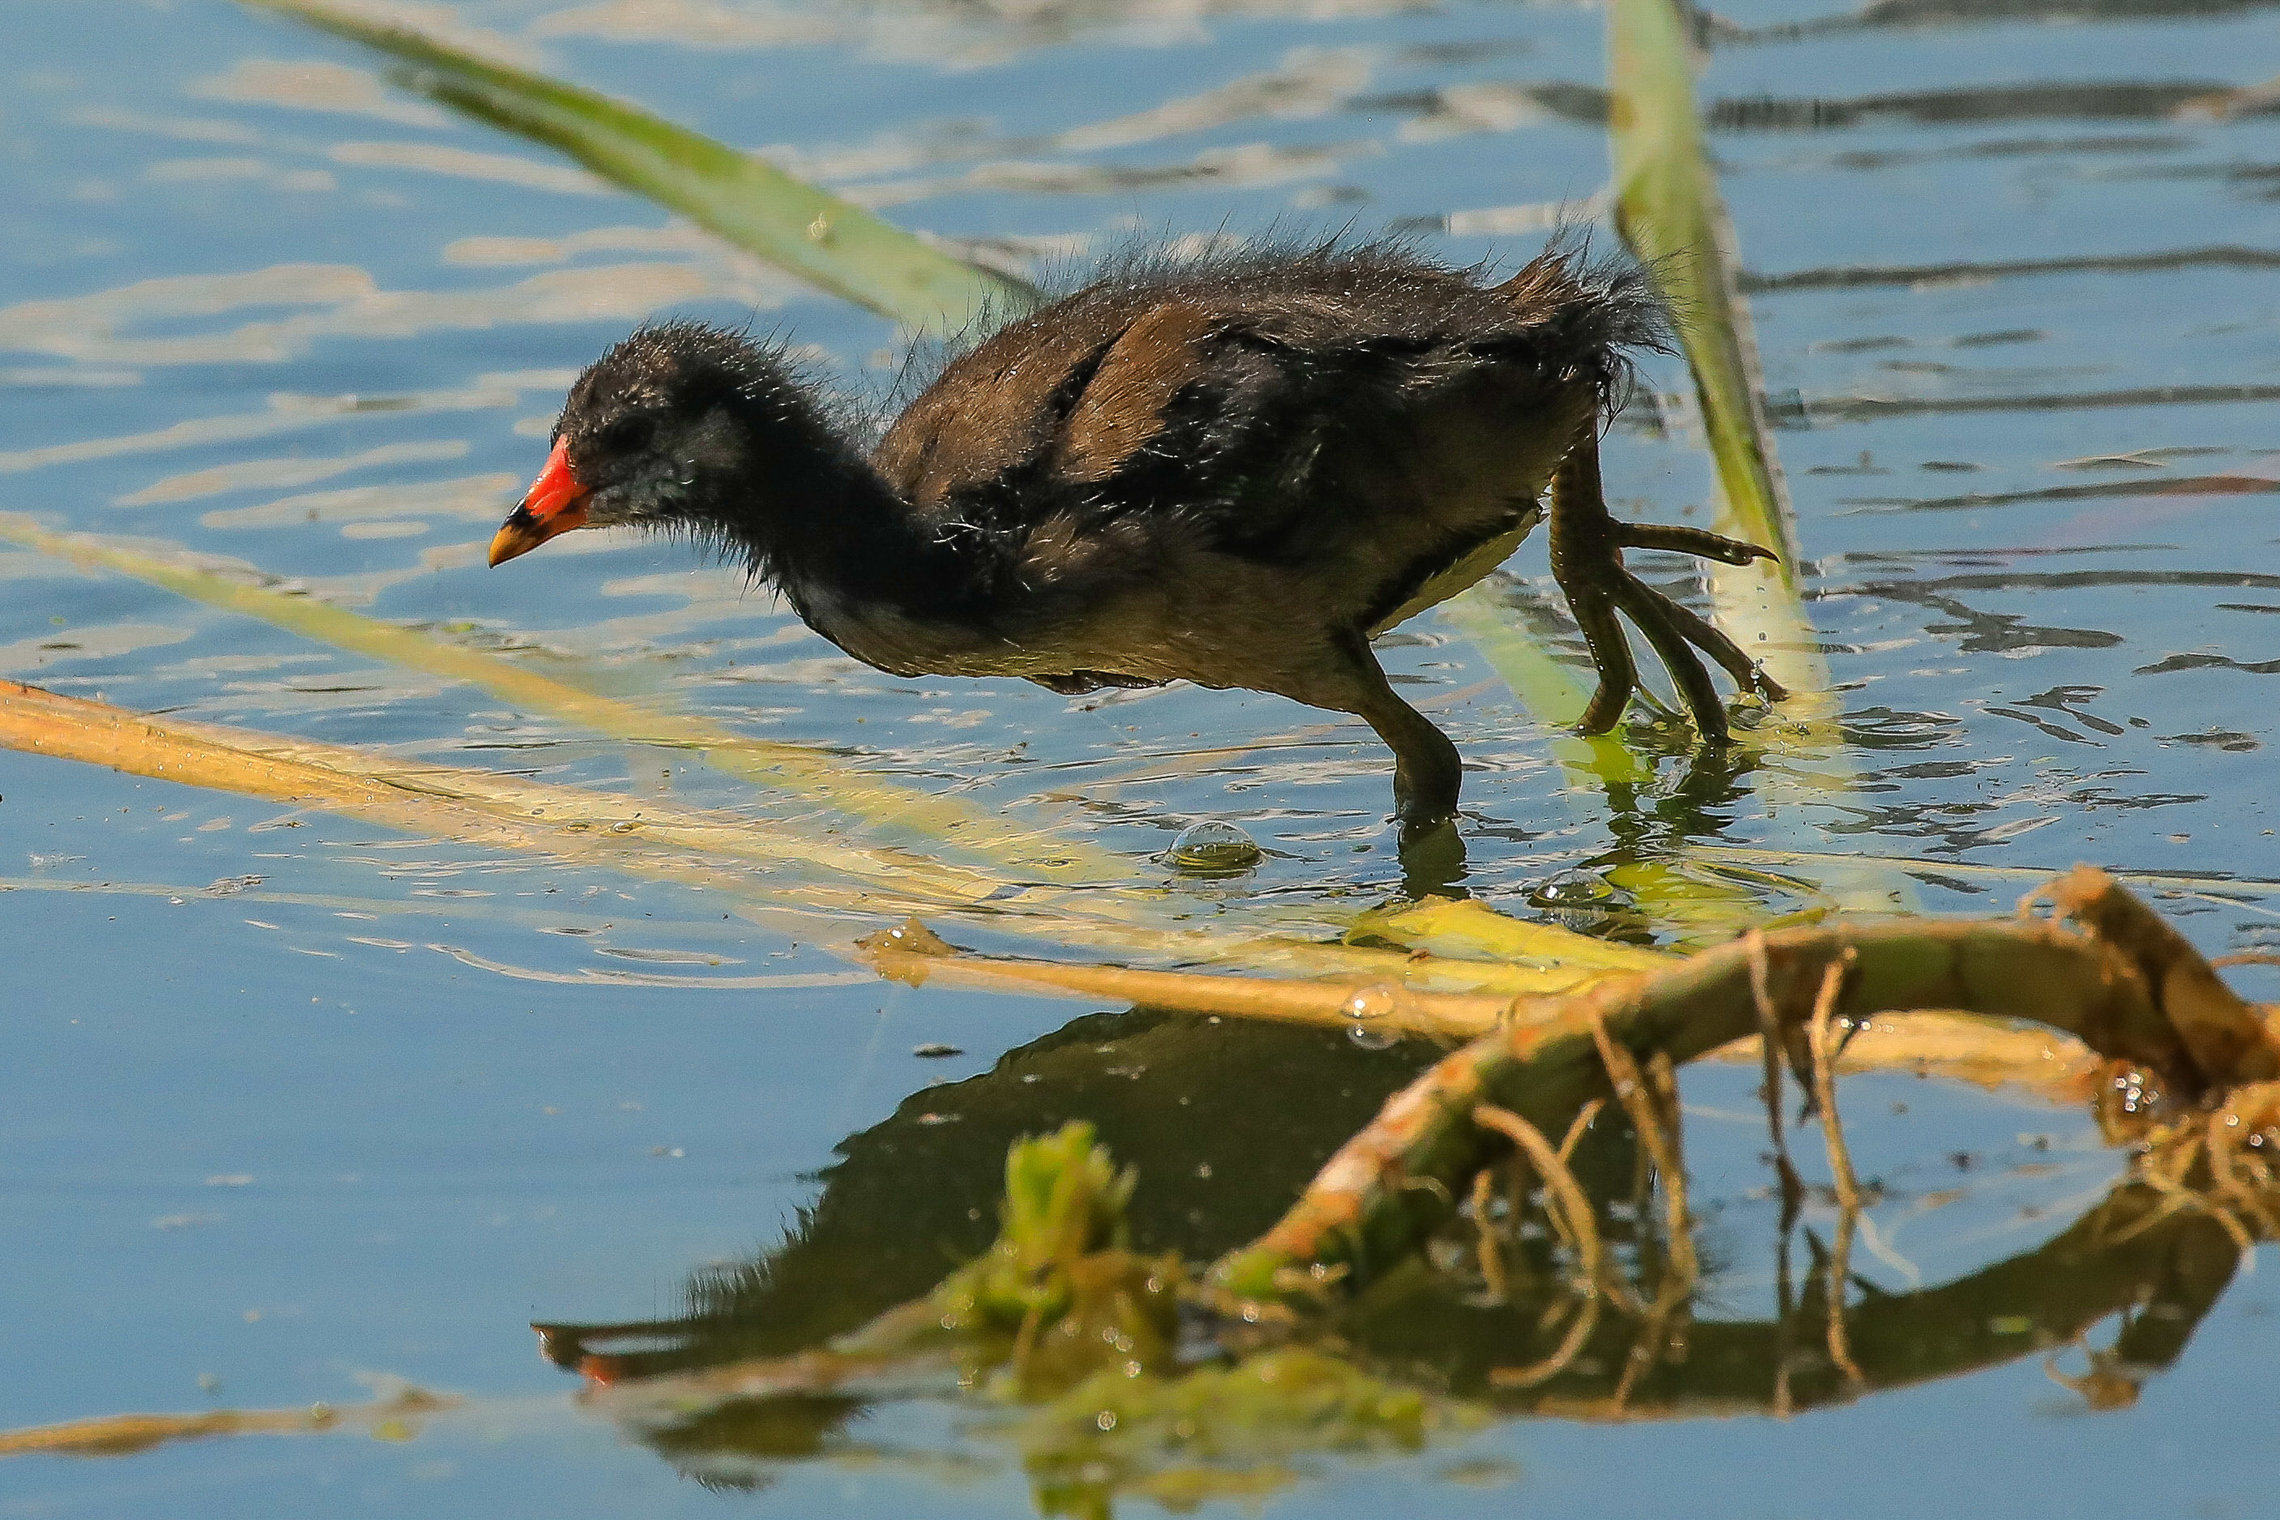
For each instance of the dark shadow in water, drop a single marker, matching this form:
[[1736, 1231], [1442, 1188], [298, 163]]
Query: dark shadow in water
[[1853, 276], [2088, 100], [1930, 14], [914, 1196]]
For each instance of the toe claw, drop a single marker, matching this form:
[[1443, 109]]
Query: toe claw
[[1694, 541]]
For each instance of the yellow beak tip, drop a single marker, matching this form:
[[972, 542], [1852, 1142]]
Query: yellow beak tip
[[519, 535]]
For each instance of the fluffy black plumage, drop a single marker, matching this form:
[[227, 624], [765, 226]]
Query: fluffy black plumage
[[1231, 471]]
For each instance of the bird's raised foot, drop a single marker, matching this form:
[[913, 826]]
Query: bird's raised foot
[[1587, 560]]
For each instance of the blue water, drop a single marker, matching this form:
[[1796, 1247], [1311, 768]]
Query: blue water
[[258, 306]]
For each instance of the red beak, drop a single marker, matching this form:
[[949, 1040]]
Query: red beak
[[555, 503]]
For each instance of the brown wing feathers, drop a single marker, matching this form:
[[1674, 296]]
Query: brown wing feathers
[[1235, 373], [1122, 407]]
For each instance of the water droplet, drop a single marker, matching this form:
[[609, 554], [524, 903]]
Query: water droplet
[[1212, 849], [1373, 1039]]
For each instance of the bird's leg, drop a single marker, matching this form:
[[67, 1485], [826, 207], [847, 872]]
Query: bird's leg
[[1427, 773], [1587, 561]]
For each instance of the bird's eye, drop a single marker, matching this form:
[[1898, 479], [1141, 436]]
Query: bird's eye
[[629, 434]]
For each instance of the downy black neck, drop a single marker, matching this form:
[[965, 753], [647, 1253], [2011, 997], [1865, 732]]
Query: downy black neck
[[805, 511]]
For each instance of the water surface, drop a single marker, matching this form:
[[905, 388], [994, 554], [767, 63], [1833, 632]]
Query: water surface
[[294, 1102]]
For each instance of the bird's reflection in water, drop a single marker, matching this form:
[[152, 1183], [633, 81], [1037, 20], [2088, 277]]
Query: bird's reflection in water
[[908, 1199], [1491, 1319]]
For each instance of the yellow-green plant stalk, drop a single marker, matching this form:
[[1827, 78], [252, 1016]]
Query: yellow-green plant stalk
[[831, 243], [1671, 214], [1669, 211], [817, 892], [813, 774]]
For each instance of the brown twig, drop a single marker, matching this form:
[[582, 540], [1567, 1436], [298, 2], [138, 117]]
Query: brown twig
[[1771, 1044], [1680, 1268], [1821, 1038], [118, 1435], [1484, 1236], [1578, 1127], [1820, 1035], [2106, 978], [1566, 1199], [1652, 1108], [1579, 1334], [1678, 1225], [1568, 1209]]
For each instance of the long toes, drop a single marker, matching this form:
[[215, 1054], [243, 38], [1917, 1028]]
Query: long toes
[[1699, 632], [1611, 652], [1694, 541], [1651, 611]]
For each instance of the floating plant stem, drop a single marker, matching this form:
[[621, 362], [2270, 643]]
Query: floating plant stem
[[2107, 971], [811, 773], [395, 1418], [814, 891], [714, 850]]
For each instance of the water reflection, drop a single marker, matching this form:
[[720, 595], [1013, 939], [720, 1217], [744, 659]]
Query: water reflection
[[144, 369], [1933, 14], [1177, 1097], [1492, 1324]]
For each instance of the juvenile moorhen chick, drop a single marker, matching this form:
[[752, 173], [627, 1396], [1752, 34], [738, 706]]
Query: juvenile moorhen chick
[[1233, 472]]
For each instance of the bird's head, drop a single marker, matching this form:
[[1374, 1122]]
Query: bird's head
[[667, 431]]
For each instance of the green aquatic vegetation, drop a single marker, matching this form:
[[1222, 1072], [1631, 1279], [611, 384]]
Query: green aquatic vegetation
[[1108, 1374], [1231, 1431], [830, 242], [1060, 1280], [1064, 1200]]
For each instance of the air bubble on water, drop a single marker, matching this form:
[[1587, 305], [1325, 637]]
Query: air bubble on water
[[1577, 889], [1366, 1007], [1212, 849], [1372, 1002]]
